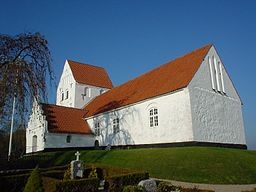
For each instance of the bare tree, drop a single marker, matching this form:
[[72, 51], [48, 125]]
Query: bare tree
[[25, 69]]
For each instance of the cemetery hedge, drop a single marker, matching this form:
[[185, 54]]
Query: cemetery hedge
[[117, 183], [90, 185]]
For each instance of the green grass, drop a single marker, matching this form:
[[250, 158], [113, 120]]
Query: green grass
[[190, 164]]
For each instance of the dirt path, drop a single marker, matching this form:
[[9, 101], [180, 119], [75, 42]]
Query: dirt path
[[216, 188]]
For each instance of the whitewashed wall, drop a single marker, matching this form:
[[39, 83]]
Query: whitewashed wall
[[175, 123], [36, 127], [216, 117], [67, 83], [58, 140], [92, 92]]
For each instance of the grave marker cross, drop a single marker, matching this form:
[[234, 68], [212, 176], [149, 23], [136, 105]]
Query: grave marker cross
[[77, 154]]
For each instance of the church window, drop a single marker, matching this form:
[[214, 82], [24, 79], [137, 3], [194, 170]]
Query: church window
[[222, 80], [153, 117], [116, 125], [211, 72], [97, 128], [68, 139], [101, 91], [66, 94], [216, 73], [62, 96]]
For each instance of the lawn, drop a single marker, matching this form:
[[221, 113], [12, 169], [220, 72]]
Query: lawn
[[191, 164]]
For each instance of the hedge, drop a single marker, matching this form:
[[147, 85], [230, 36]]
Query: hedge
[[89, 185], [59, 174], [117, 183], [14, 183]]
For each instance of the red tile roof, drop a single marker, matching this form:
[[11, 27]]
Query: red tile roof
[[166, 78], [90, 75], [65, 120]]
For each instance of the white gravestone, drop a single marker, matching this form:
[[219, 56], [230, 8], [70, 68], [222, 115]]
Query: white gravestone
[[77, 167]]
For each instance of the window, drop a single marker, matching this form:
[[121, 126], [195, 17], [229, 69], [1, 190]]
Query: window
[[66, 94], [97, 128], [116, 125], [62, 96], [153, 117], [216, 74], [85, 93], [222, 80], [101, 91], [68, 139]]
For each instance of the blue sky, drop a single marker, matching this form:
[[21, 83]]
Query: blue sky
[[129, 38]]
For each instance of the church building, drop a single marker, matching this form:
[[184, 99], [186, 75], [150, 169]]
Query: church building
[[186, 102]]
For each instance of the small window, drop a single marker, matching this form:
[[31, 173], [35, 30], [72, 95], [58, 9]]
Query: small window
[[101, 91], [67, 94], [97, 128], [116, 125], [62, 96], [68, 139], [153, 117]]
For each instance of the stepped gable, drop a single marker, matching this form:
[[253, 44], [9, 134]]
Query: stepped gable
[[65, 119], [166, 78], [90, 75]]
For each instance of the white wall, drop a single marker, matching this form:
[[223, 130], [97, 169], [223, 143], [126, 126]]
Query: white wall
[[216, 117], [67, 83], [58, 140], [92, 92], [175, 124], [36, 127]]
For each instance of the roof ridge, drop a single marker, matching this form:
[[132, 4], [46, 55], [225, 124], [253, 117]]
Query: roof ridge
[[77, 62], [143, 74], [60, 106]]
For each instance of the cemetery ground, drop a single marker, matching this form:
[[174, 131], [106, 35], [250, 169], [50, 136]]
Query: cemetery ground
[[189, 164]]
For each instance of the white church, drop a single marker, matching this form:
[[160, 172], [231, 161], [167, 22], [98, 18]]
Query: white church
[[189, 101]]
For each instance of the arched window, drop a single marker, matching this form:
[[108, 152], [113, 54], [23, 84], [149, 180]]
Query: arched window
[[68, 139], [153, 117], [34, 143]]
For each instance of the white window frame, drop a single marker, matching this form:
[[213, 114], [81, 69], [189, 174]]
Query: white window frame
[[153, 117], [67, 94], [216, 73], [97, 128], [116, 125]]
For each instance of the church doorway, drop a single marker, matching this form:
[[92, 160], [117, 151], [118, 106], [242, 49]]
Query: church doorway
[[96, 144], [34, 143]]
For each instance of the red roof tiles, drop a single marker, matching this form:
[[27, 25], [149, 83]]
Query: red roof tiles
[[65, 120], [166, 78], [90, 75]]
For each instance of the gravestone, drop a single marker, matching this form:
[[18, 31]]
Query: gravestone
[[77, 167], [149, 185]]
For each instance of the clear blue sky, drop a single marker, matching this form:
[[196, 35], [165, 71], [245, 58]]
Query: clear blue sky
[[131, 37]]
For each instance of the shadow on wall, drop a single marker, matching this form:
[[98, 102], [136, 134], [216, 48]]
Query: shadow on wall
[[123, 137]]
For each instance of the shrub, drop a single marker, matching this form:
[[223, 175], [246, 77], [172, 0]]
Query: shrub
[[90, 185], [58, 174], [117, 183], [133, 188], [164, 187], [67, 174], [93, 173], [14, 183], [34, 182]]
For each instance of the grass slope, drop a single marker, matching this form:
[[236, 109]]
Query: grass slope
[[191, 164]]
